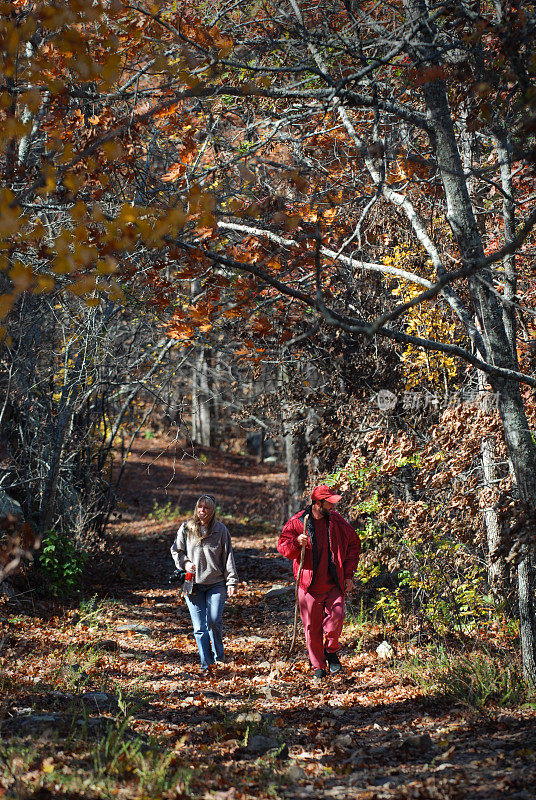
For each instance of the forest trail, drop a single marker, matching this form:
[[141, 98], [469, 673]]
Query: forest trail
[[257, 727]]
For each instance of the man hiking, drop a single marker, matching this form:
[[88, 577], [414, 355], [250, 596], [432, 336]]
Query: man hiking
[[331, 549]]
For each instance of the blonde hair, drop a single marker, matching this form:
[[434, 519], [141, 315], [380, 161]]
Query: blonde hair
[[194, 524]]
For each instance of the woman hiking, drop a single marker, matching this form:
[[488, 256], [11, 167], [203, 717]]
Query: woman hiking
[[203, 547]]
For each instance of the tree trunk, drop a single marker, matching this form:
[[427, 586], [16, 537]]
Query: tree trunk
[[295, 453], [202, 401], [509, 217], [202, 415], [527, 627], [498, 572], [520, 446], [295, 448], [67, 407], [498, 569]]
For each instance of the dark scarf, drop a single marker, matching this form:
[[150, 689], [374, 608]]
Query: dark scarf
[[332, 569]]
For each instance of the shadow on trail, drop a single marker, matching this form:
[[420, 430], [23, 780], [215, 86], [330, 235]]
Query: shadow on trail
[[147, 563], [161, 472]]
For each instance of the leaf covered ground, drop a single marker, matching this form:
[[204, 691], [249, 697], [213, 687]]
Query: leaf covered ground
[[104, 697]]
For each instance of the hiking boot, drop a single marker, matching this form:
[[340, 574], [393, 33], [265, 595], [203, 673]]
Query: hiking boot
[[333, 662], [320, 674]]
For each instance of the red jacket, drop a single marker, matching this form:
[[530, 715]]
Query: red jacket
[[344, 544]]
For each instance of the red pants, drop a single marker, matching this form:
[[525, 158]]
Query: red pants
[[322, 615]]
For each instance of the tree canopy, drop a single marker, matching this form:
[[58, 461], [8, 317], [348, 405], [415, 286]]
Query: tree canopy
[[277, 180]]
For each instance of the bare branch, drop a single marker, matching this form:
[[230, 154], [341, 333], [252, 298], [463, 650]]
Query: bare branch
[[362, 328]]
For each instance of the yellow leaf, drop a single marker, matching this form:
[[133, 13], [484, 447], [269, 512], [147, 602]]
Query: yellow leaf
[[115, 292], [45, 283], [175, 218], [63, 265], [72, 182], [49, 181], [112, 150], [21, 276], [6, 304], [4, 337], [12, 128], [247, 175], [79, 211], [48, 765], [67, 155], [83, 286], [207, 220], [128, 214], [31, 99], [96, 213], [106, 265], [10, 220], [292, 222], [11, 217]]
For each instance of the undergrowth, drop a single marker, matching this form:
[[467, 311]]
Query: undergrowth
[[165, 511], [476, 679], [79, 762]]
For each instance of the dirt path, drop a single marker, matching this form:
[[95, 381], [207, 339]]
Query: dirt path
[[367, 735], [163, 472], [257, 728]]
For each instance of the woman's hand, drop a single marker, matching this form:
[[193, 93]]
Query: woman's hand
[[231, 590]]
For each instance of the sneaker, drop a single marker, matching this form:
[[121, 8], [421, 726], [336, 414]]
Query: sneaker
[[320, 674], [333, 661]]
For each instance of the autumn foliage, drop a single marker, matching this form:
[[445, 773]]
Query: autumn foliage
[[331, 200]]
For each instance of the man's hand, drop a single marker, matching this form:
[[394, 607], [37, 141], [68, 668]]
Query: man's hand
[[348, 584], [231, 590], [302, 539]]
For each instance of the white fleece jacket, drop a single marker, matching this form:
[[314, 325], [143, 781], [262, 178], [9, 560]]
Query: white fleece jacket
[[212, 555]]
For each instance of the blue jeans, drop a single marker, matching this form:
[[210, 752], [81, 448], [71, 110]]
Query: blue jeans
[[205, 605]]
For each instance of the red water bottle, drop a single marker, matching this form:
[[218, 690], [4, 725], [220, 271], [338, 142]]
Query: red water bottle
[[188, 584]]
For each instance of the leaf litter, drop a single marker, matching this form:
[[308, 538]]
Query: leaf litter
[[107, 699]]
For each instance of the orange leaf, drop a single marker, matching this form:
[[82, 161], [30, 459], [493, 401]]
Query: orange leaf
[[176, 171], [167, 112]]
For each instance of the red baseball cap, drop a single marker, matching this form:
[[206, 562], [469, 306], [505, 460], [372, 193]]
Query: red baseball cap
[[324, 492]]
